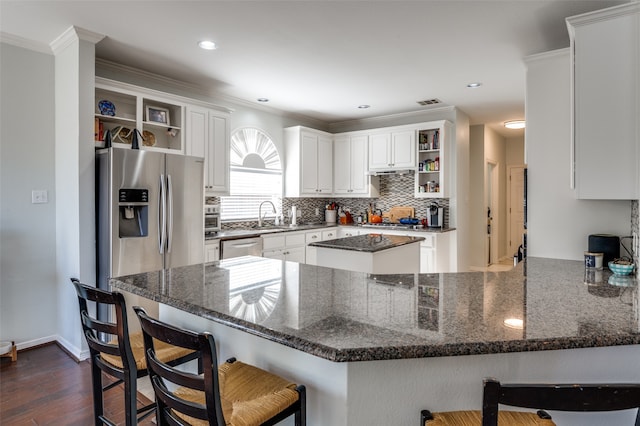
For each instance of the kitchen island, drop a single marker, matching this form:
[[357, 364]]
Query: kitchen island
[[372, 253], [375, 349]]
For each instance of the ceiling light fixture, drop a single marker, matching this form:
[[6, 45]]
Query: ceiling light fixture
[[364, 106], [262, 100], [474, 85], [514, 124], [207, 45]]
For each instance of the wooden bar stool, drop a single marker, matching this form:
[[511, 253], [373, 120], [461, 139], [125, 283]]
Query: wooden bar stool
[[558, 397], [233, 393], [117, 353]]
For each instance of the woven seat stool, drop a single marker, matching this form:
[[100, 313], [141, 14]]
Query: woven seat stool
[[555, 397], [117, 353], [232, 394]]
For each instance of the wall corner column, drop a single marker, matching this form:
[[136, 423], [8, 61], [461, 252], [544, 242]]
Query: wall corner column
[[74, 53]]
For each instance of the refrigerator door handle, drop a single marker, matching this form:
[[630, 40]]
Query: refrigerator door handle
[[170, 208], [162, 215]]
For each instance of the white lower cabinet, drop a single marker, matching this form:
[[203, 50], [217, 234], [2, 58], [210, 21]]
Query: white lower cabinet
[[435, 256], [285, 246], [315, 236], [212, 251], [348, 231]]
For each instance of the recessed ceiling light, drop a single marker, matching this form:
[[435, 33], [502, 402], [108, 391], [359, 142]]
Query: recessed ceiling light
[[262, 100], [474, 85], [514, 124], [364, 106], [207, 45]]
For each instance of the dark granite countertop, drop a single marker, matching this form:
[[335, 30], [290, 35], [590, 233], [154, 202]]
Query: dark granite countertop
[[368, 243], [348, 316]]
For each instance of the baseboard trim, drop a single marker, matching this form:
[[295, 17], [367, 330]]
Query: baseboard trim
[[36, 342], [73, 351]]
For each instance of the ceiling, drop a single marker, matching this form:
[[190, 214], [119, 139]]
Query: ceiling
[[323, 59]]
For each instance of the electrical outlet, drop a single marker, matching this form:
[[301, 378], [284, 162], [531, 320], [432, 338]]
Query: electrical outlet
[[39, 196]]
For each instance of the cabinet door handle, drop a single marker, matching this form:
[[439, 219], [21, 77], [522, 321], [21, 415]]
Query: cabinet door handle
[[314, 237]]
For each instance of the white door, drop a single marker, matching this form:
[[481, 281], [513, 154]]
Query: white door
[[403, 149], [379, 147], [492, 194], [342, 163], [359, 165], [325, 165], [309, 163], [516, 207]]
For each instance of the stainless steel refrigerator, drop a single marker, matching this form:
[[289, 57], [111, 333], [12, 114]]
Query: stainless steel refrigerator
[[149, 210]]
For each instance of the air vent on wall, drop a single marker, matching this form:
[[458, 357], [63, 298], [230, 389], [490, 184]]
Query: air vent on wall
[[429, 102]]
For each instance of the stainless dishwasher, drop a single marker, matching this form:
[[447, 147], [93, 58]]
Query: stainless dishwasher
[[241, 247]]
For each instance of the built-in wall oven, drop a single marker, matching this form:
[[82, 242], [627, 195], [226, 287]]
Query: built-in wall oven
[[211, 220]]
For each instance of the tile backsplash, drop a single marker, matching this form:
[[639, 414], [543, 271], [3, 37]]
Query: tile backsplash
[[635, 224], [395, 190]]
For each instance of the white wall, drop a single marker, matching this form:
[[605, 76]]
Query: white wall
[[515, 150], [28, 309], [558, 224]]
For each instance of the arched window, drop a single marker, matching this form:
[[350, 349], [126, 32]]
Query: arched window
[[255, 176]]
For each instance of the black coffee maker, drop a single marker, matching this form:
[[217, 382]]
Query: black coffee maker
[[435, 216]]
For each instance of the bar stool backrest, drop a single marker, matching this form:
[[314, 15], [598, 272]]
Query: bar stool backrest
[[99, 333], [162, 374], [558, 397]]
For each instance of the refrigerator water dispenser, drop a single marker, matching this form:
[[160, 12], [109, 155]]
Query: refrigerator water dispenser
[[133, 213]]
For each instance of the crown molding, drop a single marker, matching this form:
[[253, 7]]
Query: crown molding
[[72, 34], [381, 120], [546, 55], [25, 43], [204, 93], [604, 14]]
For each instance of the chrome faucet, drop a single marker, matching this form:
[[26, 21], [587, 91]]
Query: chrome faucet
[[260, 217]]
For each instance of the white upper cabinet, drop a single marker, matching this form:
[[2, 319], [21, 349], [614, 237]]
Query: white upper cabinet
[[350, 177], [309, 162], [207, 136], [392, 150], [606, 102]]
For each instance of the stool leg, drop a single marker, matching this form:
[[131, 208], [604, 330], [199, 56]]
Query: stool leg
[[96, 381], [130, 401]]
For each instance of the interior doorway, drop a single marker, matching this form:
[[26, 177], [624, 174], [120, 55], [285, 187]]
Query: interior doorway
[[515, 207], [492, 203]]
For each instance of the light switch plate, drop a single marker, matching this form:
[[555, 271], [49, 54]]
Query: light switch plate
[[39, 196]]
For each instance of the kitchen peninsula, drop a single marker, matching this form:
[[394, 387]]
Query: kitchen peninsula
[[375, 349], [372, 253]]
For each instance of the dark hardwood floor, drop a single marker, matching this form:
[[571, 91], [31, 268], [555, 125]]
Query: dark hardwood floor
[[47, 387]]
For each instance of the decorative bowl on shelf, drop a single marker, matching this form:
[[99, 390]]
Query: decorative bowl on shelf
[[148, 138], [107, 107], [621, 267]]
